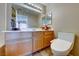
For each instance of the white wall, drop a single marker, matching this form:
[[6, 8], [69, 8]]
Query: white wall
[[2, 23], [2, 16], [66, 19]]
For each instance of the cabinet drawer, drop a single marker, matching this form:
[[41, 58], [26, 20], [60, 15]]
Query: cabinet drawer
[[48, 32], [14, 35], [37, 44], [11, 36], [17, 40], [19, 48], [11, 49], [37, 34], [24, 47], [25, 35], [48, 38]]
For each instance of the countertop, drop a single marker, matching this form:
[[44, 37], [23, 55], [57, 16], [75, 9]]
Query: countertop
[[29, 30]]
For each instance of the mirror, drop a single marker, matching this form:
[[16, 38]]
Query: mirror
[[47, 19]]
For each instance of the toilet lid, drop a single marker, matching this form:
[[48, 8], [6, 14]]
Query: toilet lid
[[60, 45]]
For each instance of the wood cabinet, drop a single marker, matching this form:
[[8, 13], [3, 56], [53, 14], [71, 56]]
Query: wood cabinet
[[37, 41], [19, 46], [42, 39], [48, 36], [25, 47], [11, 49], [24, 43]]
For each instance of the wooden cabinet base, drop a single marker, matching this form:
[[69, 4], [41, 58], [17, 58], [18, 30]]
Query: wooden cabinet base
[[19, 48], [29, 43], [42, 39]]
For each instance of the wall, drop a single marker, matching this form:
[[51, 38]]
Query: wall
[[66, 19], [2, 27], [2, 16]]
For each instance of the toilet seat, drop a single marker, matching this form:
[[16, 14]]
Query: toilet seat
[[60, 45]]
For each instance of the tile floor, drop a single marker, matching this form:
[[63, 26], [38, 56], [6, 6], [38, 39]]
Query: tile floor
[[45, 52]]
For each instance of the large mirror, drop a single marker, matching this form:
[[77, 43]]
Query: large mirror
[[23, 18]]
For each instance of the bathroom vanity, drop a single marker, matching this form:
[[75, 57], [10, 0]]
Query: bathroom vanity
[[22, 41], [27, 42]]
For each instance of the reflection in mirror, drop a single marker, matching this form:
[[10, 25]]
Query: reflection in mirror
[[47, 19]]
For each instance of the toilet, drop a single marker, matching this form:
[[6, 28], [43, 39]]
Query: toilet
[[63, 44]]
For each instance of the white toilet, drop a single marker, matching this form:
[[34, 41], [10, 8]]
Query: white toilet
[[63, 44]]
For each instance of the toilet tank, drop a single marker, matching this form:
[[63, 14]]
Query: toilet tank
[[66, 36]]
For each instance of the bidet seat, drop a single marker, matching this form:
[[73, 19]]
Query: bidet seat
[[60, 45]]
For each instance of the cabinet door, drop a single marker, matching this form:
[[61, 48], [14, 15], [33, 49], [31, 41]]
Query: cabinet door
[[12, 36], [24, 47], [37, 41], [19, 44], [11, 49], [11, 43], [19, 48], [48, 36]]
